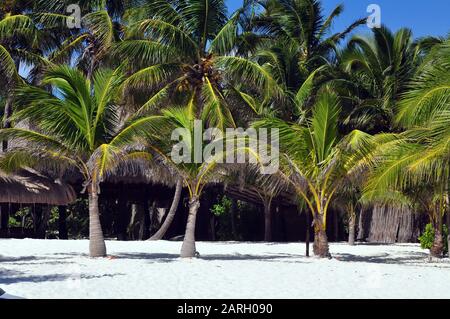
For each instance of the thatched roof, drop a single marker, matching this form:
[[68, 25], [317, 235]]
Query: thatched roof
[[30, 187]]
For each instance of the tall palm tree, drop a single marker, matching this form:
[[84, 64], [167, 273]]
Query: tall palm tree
[[421, 155], [91, 45], [18, 35], [183, 54], [302, 23], [378, 70], [298, 47], [425, 112], [76, 125]]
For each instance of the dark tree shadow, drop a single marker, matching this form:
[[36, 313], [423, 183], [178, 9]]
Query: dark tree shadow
[[251, 257], [174, 257], [406, 258], [4, 259], [8, 277], [156, 257]]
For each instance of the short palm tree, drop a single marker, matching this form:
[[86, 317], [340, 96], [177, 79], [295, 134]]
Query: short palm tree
[[181, 158], [318, 161], [75, 125]]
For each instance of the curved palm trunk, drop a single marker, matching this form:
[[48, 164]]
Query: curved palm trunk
[[320, 246], [170, 215], [97, 247], [188, 247]]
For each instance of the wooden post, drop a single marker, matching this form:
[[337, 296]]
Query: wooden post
[[308, 227], [233, 210], [62, 226]]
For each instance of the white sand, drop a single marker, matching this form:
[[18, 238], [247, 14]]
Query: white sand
[[61, 269]]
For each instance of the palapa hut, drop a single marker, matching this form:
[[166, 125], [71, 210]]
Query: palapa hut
[[29, 187]]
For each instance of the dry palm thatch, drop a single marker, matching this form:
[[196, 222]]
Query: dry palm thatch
[[30, 187]]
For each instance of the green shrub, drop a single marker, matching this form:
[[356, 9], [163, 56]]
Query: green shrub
[[427, 238]]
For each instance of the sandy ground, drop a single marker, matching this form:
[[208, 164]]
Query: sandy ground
[[62, 269]]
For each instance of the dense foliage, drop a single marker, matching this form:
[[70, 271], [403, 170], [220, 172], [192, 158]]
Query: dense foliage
[[363, 120]]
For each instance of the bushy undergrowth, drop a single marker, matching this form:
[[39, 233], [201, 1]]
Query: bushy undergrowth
[[427, 238]]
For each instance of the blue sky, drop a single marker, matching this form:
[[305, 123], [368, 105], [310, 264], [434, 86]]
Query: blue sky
[[431, 17]]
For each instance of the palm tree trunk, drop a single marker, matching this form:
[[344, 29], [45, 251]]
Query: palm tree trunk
[[39, 215], [171, 214], [351, 226], [188, 248], [7, 118], [320, 247], [62, 226], [97, 247], [122, 218], [147, 221], [268, 219], [233, 210], [212, 224], [437, 249]]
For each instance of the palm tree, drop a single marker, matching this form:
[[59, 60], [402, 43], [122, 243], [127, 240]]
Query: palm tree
[[90, 45], [395, 179], [182, 54], [425, 112], [317, 160], [377, 72], [17, 43], [181, 160], [420, 156], [75, 125]]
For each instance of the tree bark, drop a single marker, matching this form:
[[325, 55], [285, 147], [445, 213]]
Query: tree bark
[[320, 247], [7, 118], [188, 248], [351, 226], [145, 227], [267, 219], [122, 219], [62, 226], [437, 250], [97, 247], [136, 223], [171, 214], [233, 210], [40, 217], [212, 223], [336, 225]]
